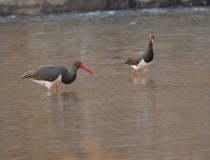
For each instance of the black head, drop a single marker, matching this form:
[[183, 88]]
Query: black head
[[77, 64], [151, 36]]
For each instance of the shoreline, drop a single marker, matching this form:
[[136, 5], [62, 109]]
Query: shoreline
[[32, 7]]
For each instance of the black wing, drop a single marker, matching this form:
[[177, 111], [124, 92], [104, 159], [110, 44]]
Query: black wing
[[46, 73], [134, 59]]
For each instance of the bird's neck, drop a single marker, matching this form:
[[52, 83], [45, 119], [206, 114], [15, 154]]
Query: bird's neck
[[74, 69], [150, 48], [148, 56]]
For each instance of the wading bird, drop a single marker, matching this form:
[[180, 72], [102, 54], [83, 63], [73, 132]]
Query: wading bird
[[142, 60], [49, 75]]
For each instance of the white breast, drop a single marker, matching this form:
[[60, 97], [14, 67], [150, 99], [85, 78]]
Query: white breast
[[142, 65]]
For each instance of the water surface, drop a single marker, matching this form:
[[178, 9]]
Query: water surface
[[110, 116]]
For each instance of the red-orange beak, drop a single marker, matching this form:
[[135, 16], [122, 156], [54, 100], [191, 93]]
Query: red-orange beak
[[85, 68], [152, 41]]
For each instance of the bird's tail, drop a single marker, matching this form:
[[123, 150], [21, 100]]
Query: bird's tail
[[126, 62], [26, 75], [29, 73]]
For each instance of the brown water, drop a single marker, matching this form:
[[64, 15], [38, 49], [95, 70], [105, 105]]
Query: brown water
[[110, 116]]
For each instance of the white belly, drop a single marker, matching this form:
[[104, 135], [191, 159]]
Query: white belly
[[142, 65], [47, 83]]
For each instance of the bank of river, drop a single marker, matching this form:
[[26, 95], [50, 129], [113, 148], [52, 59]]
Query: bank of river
[[8, 7]]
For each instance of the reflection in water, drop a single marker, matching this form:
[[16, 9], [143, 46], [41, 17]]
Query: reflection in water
[[65, 99], [109, 116], [136, 81]]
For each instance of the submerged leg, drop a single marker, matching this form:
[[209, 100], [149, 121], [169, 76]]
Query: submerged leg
[[133, 73]]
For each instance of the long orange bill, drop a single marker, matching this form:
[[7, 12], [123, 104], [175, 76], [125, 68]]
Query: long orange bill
[[153, 44], [152, 41], [85, 68]]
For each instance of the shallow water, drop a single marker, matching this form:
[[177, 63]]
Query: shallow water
[[108, 116]]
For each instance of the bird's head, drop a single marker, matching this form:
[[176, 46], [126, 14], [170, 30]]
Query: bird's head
[[152, 38], [79, 64]]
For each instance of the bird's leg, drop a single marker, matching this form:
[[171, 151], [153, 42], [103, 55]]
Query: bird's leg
[[48, 90], [56, 88], [133, 73], [145, 73]]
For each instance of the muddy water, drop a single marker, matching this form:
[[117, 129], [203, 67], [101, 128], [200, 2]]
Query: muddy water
[[109, 116]]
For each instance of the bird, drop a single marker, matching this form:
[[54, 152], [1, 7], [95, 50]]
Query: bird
[[50, 75], [142, 60]]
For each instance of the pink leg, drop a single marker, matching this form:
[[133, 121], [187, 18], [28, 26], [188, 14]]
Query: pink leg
[[133, 73], [48, 90], [56, 88], [145, 74]]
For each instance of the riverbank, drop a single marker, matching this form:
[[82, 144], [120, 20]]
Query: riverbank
[[32, 7]]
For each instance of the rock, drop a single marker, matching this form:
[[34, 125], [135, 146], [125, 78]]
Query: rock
[[49, 6], [74, 5]]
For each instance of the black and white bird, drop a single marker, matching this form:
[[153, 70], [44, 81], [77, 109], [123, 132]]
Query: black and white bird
[[142, 60], [49, 75]]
